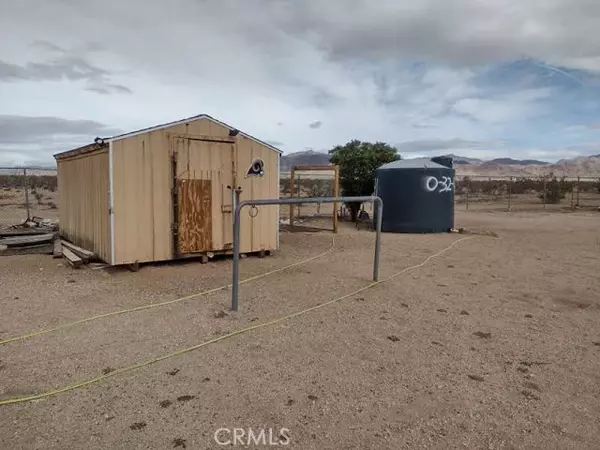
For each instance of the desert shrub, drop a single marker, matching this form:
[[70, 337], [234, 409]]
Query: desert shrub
[[52, 205], [554, 191], [38, 196]]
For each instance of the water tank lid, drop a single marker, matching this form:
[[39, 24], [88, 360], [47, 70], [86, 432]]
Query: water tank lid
[[417, 163]]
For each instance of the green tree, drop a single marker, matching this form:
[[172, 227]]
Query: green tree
[[358, 162]]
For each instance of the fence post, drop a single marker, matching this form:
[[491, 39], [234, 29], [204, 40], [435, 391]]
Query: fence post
[[509, 191], [468, 191], [545, 190], [578, 189], [26, 185], [572, 195], [298, 196], [292, 187]]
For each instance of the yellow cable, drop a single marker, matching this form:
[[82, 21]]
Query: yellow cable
[[156, 305], [220, 338]]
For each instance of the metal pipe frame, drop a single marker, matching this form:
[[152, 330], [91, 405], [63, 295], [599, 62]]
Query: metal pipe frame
[[291, 201]]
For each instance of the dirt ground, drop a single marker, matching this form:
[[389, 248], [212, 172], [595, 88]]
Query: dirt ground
[[495, 344]]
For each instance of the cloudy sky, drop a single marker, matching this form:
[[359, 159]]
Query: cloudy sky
[[482, 78]]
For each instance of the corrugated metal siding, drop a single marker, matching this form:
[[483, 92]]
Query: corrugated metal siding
[[83, 186]]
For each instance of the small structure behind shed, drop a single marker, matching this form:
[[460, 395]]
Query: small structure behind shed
[[166, 192]]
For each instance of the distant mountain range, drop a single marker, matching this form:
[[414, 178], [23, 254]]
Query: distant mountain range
[[305, 158], [588, 166]]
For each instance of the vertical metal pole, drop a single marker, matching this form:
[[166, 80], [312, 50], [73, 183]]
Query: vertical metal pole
[[509, 190], [578, 189], [545, 191], [298, 196], [26, 183], [377, 239], [336, 193], [236, 258], [572, 194], [292, 188], [468, 191]]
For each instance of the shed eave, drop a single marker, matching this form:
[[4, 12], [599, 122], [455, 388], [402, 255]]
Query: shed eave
[[189, 119], [89, 148]]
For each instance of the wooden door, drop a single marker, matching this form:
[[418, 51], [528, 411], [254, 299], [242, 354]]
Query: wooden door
[[195, 215], [202, 173]]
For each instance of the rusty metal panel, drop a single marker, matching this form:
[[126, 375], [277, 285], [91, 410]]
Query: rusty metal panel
[[195, 216]]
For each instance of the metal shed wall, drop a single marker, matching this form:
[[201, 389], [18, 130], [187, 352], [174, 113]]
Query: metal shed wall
[[83, 186], [143, 180]]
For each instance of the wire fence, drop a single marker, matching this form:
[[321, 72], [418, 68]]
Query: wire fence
[[308, 184], [27, 192], [508, 193]]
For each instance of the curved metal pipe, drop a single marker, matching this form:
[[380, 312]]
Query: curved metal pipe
[[290, 201]]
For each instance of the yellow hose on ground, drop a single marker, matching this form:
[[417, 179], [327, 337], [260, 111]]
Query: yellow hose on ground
[[97, 379], [156, 305]]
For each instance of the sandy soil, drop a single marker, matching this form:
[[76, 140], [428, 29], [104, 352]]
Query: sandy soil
[[493, 345]]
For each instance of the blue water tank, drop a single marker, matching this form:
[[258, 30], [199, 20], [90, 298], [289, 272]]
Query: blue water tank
[[417, 194]]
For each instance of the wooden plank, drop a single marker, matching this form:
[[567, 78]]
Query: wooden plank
[[22, 232], [38, 249], [314, 168], [57, 249], [195, 215], [84, 254], [74, 260], [21, 241]]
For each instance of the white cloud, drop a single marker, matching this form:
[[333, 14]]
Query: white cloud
[[504, 108], [258, 64]]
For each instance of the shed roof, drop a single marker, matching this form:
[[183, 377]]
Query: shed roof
[[417, 163], [94, 146]]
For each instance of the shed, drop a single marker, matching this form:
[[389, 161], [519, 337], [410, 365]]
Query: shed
[[418, 195], [165, 192]]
